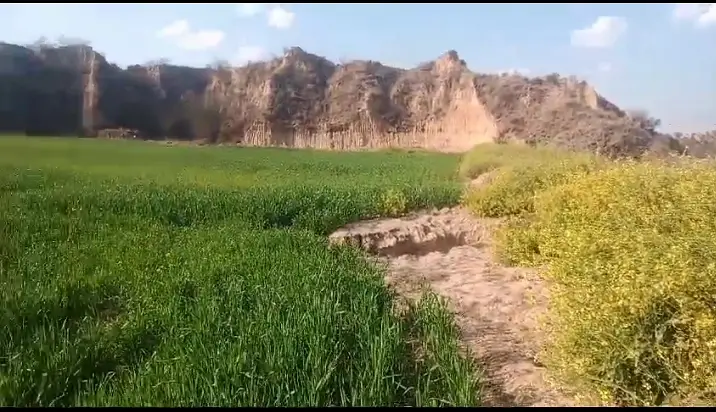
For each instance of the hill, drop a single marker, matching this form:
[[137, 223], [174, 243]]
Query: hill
[[304, 100]]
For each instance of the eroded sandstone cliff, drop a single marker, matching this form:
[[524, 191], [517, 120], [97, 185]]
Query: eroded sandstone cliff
[[73, 90], [303, 100]]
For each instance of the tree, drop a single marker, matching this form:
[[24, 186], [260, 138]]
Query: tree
[[219, 64], [157, 62], [644, 120]]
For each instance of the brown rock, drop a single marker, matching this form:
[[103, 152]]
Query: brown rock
[[303, 100]]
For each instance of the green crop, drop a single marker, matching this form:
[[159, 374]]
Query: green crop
[[138, 274]]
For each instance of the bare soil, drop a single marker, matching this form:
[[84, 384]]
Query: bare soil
[[496, 308]]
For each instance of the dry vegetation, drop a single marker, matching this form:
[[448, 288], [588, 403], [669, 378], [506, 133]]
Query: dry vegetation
[[628, 247]]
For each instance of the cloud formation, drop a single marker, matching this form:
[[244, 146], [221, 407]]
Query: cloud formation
[[175, 28], [280, 18], [182, 35], [603, 33], [700, 14], [277, 16]]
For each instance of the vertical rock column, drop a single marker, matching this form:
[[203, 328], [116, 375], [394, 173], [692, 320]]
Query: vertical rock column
[[90, 92]]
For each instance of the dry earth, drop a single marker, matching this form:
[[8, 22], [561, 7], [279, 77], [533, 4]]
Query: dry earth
[[497, 308]]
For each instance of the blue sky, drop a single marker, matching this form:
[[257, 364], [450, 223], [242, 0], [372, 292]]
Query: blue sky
[[656, 57]]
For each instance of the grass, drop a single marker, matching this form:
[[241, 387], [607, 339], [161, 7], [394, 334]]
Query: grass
[[136, 274], [628, 248]]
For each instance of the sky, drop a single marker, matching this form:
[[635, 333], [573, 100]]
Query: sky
[[652, 57]]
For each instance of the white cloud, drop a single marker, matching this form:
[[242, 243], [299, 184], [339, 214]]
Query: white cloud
[[248, 54], [280, 18], [708, 18], [176, 28], [603, 33], [604, 67], [277, 15], [701, 14], [251, 9], [181, 33]]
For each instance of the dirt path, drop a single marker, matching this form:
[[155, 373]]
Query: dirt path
[[497, 308]]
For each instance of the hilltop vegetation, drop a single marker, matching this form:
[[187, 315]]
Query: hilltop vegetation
[[137, 274], [629, 249]]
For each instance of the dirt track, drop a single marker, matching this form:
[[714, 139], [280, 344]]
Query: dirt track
[[497, 308]]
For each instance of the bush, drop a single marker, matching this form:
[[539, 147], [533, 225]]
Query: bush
[[629, 249], [513, 188], [632, 252], [393, 203], [488, 156], [517, 242]]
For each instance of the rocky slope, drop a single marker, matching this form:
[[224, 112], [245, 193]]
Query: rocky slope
[[699, 144], [73, 90], [303, 100]]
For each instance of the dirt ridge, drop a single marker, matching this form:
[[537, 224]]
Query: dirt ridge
[[497, 308], [300, 99]]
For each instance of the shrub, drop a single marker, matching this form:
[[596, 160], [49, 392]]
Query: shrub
[[630, 251], [513, 188], [632, 254], [517, 242], [488, 156], [393, 203]]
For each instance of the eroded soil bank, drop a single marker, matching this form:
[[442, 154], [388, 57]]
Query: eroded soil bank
[[497, 308]]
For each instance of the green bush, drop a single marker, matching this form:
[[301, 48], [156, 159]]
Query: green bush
[[517, 242], [393, 203], [632, 252], [489, 156]]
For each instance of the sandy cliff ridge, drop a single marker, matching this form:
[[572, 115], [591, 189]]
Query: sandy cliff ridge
[[303, 100]]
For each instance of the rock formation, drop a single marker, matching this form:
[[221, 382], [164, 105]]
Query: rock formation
[[303, 100], [73, 90]]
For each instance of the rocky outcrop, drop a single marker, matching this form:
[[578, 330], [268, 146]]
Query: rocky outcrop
[[702, 145], [303, 100], [73, 90]]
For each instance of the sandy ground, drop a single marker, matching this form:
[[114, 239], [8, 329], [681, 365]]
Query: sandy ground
[[497, 309]]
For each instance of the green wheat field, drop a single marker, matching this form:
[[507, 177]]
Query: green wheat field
[[141, 274]]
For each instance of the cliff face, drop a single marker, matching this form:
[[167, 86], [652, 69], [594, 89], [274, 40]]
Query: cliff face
[[302, 100], [73, 90]]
